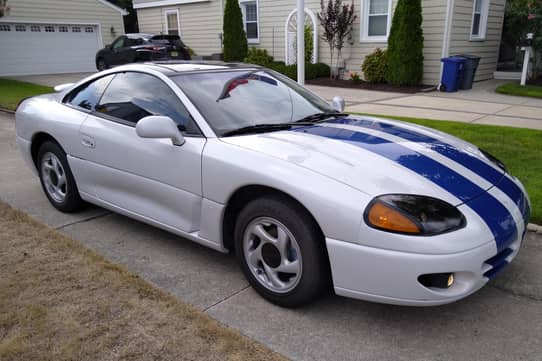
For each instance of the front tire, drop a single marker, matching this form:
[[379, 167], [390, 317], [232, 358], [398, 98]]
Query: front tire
[[57, 179], [280, 250]]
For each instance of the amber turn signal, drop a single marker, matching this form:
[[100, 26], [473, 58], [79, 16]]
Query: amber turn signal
[[384, 217]]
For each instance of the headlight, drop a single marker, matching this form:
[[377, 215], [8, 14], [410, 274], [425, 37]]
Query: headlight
[[494, 160], [412, 214]]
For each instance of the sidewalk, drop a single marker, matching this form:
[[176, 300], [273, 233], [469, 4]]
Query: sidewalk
[[480, 105]]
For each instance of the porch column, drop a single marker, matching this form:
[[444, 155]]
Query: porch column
[[301, 42]]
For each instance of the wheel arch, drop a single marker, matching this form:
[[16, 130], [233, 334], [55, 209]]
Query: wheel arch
[[37, 140], [247, 193]]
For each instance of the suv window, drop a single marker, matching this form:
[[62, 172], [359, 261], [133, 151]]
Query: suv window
[[133, 42], [132, 96], [119, 43], [88, 95]]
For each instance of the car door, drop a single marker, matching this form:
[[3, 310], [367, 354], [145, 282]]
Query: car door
[[118, 53], [151, 178]]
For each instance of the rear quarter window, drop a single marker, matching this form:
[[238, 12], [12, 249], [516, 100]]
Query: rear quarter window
[[87, 95]]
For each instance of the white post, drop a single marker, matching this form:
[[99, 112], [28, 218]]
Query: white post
[[526, 58], [301, 42]]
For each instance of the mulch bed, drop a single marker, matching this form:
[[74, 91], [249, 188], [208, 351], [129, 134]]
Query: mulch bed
[[340, 83], [535, 82]]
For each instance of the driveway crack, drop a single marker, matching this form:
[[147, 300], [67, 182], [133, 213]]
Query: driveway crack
[[82, 220], [225, 298]]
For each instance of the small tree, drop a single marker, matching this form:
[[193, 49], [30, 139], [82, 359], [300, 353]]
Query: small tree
[[345, 19], [234, 38], [405, 44], [336, 20]]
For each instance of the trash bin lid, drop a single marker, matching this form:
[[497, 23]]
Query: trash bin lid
[[453, 59], [467, 56]]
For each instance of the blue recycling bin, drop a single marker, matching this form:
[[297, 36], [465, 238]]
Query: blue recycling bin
[[452, 73]]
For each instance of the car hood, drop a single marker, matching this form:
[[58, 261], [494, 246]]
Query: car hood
[[380, 156]]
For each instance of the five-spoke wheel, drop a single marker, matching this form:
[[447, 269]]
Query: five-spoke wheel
[[281, 251], [57, 179]]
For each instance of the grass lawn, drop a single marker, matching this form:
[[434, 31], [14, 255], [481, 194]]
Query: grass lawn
[[533, 91], [61, 301], [13, 91], [520, 149]]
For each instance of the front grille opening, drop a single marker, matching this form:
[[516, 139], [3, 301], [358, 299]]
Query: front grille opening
[[437, 280], [497, 263]]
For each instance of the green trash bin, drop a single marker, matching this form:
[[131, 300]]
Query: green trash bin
[[469, 70]]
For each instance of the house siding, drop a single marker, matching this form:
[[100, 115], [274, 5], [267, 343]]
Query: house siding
[[73, 12], [487, 49], [201, 24]]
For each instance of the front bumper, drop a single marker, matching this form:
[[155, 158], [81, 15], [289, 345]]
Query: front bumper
[[388, 276]]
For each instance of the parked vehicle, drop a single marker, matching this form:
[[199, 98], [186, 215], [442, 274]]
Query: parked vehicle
[[132, 48], [241, 158]]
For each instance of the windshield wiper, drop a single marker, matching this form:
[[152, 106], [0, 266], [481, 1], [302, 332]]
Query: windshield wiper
[[313, 118], [266, 127]]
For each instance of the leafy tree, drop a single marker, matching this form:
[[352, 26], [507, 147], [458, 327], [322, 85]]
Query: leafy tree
[[522, 17], [309, 45], [405, 44], [234, 38], [336, 20], [345, 19], [130, 21]]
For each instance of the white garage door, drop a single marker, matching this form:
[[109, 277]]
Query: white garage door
[[47, 48]]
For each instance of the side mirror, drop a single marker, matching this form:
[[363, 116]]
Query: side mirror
[[338, 103], [159, 127], [108, 46]]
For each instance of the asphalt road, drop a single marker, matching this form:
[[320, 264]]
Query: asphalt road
[[501, 322]]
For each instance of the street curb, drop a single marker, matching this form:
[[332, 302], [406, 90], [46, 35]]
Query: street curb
[[4, 110], [531, 227]]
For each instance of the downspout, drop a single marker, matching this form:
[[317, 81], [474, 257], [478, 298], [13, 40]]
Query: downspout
[[448, 22]]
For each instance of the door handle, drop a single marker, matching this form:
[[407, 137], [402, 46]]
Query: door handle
[[88, 141]]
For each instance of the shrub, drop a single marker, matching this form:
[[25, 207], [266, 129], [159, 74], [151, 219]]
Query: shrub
[[354, 76], [405, 44], [259, 57], [235, 39], [312, 71], [309, 45], [375, 66]]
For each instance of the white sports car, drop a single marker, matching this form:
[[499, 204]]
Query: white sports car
[[240, 158]]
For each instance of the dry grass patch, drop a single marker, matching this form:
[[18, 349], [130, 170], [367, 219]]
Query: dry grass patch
[[61, 301]]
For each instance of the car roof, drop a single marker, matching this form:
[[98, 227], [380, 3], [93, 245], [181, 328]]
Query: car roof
[[172, 68]]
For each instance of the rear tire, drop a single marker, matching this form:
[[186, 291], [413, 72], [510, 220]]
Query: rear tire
[[100, 64], [281, 251], [57, 179]]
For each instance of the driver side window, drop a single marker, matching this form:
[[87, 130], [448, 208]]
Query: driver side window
[[132, 96], [119, 43]]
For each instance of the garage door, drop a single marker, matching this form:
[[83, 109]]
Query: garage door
[[47, 48]]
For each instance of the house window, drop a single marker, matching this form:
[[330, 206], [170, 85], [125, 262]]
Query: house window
[[172, 22], [4, 27], [89, 29], [35, 28], [49, 29], [76, 29], [20, 28], [249, 8], [479, 19], [63, 29], [376, 16]]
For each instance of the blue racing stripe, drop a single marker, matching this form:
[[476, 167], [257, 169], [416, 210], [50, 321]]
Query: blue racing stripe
[[495, 215], [467, 160]]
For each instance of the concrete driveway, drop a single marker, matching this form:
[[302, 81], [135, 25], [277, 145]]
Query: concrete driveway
[[501, 322]]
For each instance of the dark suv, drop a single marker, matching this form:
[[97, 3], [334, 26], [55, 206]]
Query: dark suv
[[131, 48]]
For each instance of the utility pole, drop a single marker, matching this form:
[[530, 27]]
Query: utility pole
[[301, 42]]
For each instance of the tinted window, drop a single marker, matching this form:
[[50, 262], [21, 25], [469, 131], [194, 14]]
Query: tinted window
[[88, 95], [119, 43], [233, 99], [132, 96]]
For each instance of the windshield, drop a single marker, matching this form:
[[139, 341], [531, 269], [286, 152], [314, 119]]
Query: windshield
[[231, 100]]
